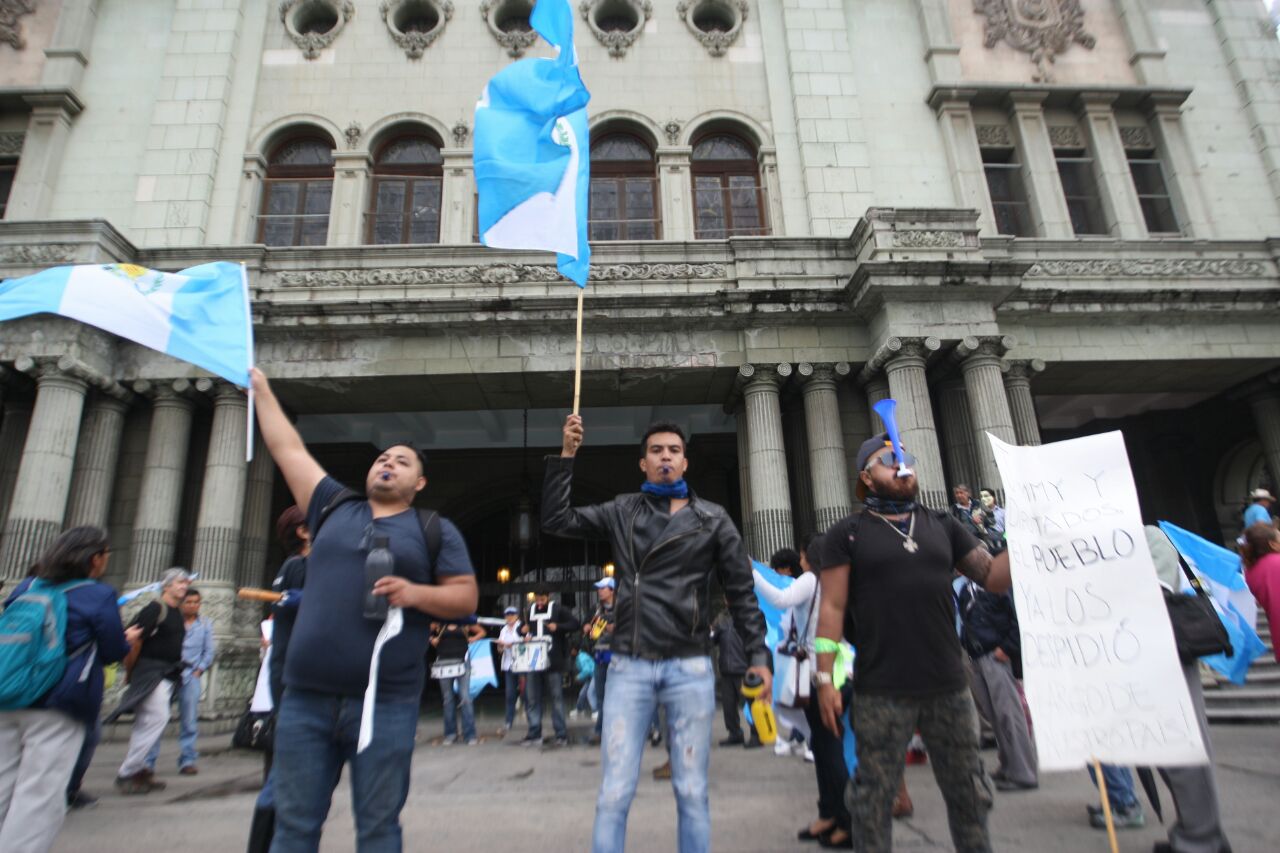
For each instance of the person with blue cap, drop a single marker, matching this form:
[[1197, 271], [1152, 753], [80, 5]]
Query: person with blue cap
[[599, 630], [508, 636]]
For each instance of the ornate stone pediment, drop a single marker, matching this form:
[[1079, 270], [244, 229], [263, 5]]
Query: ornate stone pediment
[[1042, 28], [419, 34], [314, 24], [10, 26]]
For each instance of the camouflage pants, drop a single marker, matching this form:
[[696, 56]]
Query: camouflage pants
[[883, 726]]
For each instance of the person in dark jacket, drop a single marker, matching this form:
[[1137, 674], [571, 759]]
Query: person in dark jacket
[[151, 683], [41, 743], [989, 634], [668, 545], [547, 619], [732, 662]]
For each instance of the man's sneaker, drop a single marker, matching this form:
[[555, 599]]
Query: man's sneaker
[[573, 715], [149, 776], [808, 755], [655, 737], [449, 741], [81, 800], [502, 730], [733, 741], [531, 741], [1003, 784], [188, 770], [662, 771], [560, 741], [1130, 818], [781, 747], [473, 741], [135, 784]]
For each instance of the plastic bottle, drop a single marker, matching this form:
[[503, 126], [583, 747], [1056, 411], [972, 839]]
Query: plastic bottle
[[379, 563], [761, 708]]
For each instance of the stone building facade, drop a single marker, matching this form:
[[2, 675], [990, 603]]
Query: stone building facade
[[1033, 218]]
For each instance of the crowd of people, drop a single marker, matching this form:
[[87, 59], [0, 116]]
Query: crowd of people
[[921, 595]]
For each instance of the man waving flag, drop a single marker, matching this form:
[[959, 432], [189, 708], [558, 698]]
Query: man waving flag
[[532, 159]]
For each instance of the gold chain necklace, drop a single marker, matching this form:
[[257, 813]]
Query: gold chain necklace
[[909, 543]]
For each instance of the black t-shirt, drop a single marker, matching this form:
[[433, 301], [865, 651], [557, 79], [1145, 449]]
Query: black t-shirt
[[902, 603], [453, 642], [166, 643], [292, 576]]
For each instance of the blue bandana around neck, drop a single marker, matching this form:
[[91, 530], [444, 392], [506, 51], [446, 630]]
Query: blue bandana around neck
[[678, 489], [885, 506]]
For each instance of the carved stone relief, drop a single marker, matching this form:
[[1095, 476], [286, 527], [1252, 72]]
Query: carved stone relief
[[716, 24], [415, 39], [1042, 28], [460, 133], [11, 144], [508, 25], [11, 11], [928, 239], [672, 130], [314, 24], [38, 255], [605, 22], [493, 274], [1151, 268], [1065, 136], [994, 136], [353, 133], [1138, 138]]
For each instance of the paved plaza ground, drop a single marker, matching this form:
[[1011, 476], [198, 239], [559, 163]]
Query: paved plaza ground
[[502, 797]]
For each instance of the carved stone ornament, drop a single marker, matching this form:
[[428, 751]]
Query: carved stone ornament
[[1042, 28], [460, 133], [616, 40], [1136, 138], [716, 39], [11, 144], [353, 133], [10, 27], [672, 130], [300, 12], [994, 136], [928, 239], [416, 41], [1065, 136], [1151, 268], [493, 274], [38, 255], [516, 41]]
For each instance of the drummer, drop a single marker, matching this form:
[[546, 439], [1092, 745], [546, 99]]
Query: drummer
[[508, 637], [547, 621]]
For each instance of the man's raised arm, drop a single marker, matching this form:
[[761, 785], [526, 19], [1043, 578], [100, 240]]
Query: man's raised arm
[[302, 473], [558, 517]]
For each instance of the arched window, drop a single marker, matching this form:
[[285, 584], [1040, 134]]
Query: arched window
[[408, 173], [727, 197], [624, 189], [296, 193]]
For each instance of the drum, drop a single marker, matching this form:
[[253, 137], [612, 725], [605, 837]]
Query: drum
[[448, 669], [531, 656]]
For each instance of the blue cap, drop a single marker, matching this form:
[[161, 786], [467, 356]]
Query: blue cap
[[604, 583], [511, 611]]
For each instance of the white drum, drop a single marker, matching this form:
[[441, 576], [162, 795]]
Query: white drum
[[531, 656], [448, 669]]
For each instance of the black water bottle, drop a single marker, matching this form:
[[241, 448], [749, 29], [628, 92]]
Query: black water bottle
[[379, 563]]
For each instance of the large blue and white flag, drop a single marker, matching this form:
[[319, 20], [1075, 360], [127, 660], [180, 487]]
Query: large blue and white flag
[[199, 315], [531, 152]]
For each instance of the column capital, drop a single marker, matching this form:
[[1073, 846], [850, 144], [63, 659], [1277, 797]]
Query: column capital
[[168, 390], [898, 349], [220, 390], [1026, 100], [977, 348], [1096, 101], [759, 377], [1021, 369], [824, 373]]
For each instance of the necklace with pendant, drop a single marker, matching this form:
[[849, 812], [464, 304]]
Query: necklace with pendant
[[909, 543]]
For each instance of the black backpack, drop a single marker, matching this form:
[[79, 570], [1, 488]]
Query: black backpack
[[429, 519]]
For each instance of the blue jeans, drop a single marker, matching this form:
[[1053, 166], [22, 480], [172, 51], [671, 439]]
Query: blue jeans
[[537, 684], [1120, 792], [316, 735], [587, 695], [686, 688], [601, 679], [188, 696], [455, 693], [511, 684]]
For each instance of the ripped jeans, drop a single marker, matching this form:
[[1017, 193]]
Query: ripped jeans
[[883, 726], [636, 687]]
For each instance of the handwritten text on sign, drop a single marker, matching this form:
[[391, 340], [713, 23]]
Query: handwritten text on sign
[[1102, 675]]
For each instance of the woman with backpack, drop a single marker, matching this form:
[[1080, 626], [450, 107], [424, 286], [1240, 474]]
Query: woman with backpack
[[40, 735]]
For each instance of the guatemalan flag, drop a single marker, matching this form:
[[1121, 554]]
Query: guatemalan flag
[[531, 155], [199, 315]]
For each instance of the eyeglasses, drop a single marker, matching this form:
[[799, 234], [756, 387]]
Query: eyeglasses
[[889, 460]]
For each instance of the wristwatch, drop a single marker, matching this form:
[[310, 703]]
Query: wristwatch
[[820, 677]]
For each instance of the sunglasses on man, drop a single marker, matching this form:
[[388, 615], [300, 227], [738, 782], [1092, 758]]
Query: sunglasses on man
[[887, 458]]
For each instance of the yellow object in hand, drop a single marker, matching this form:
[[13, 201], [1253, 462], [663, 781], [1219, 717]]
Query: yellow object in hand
[[761, 708]]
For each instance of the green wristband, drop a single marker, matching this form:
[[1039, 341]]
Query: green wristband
[[823, 646]]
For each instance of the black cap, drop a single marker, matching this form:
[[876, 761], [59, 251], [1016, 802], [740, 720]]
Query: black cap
[[868, 447]]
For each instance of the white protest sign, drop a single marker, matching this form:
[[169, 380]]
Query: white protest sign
[[1101, 673]]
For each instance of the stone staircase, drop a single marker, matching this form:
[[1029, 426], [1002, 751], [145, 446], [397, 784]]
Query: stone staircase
[[1255, 701]]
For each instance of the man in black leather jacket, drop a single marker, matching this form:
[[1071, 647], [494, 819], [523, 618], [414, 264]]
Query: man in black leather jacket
[[668, 544]]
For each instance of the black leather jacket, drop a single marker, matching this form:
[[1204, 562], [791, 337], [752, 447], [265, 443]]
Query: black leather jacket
[[663, 604]]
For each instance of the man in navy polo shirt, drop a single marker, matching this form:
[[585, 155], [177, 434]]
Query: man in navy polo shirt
[[331, 648]]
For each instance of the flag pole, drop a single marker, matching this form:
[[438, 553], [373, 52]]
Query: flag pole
[[577, 357], [1106, 805], [248, 318]]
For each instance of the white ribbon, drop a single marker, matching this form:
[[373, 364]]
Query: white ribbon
[[390, 629]]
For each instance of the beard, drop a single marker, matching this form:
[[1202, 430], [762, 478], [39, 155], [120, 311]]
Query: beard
[[896, 489]]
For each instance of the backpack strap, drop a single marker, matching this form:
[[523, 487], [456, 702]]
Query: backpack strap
[[432, 534], [343, 496]]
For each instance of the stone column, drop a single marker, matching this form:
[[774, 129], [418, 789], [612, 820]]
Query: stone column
[[744, 474], [1040, 170], [1017, 387], [13, 436], [36, 178], [249, 202], [957, 433], [1115, 184], [676, 201], [770, 492], [1164, 112], [256, 524], [855, 424], [96, 458], [828, 468], [217, 546], [347, 221], [39, 500], [904, 363], [771, 186], [1266, 420], [796, 441], [458, 197], [155, 527], [988, 405], [877, 388], [960, 139]]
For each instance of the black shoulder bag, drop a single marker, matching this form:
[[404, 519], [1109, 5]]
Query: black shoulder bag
[[1197, 630]]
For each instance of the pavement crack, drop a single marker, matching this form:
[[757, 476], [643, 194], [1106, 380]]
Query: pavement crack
[[1248, 771], [924, 836], [523, 774]]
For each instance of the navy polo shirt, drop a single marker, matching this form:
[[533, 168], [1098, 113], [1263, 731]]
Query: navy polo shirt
[[332, 643]]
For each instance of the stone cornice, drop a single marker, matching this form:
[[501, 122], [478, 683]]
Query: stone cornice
[[1054, 96]]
